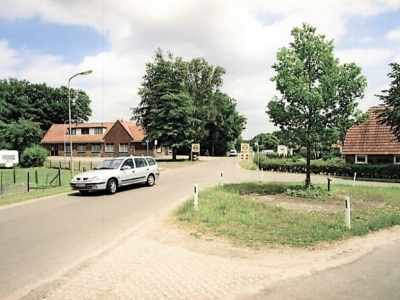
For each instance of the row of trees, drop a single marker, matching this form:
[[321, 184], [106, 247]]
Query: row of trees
[[181, 103], [28, 110]]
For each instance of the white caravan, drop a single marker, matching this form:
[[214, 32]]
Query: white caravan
[[8, 158]]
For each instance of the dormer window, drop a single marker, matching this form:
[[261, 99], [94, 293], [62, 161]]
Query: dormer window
[[98, 130]]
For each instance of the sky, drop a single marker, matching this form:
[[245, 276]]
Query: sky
[[49, 41]]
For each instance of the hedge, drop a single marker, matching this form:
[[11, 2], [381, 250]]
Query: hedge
[[333, 167]]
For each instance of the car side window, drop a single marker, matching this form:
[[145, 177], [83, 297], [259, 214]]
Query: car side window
[[151, 161], [128, 163], [140, 162]]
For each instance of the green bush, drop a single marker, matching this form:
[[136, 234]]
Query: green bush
[[34, 156]]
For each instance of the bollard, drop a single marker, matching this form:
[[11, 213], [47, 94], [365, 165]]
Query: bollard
[[329, 184], [196, 197], [347, 211], [222, 178], [354, 179]]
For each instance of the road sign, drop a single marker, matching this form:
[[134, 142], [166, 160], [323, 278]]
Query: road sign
[[195, 147], [245, 147]]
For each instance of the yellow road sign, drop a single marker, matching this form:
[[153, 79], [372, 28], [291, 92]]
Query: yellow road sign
[[195, 147], [245, 147]]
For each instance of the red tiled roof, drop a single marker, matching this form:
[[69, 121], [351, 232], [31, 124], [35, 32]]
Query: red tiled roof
[[57, 132], [136, 131], [370, 137]]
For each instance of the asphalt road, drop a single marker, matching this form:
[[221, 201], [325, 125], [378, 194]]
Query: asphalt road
[[42, 239], [373, 276]]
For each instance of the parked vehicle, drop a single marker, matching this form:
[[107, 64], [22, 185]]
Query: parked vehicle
[[266, 152], [115, 172], [233, 152], [9, 158]]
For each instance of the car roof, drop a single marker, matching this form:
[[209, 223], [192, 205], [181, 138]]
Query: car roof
[[130, 156]]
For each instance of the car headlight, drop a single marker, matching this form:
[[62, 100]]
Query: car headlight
[[95, 178]]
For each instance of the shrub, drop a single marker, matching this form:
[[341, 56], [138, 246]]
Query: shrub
[[34, 156]]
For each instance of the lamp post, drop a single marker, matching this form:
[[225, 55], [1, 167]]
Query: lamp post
[[258, 155], [65, 134], [69, 118]]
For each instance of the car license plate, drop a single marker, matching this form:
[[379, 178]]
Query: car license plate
[[80, 185]]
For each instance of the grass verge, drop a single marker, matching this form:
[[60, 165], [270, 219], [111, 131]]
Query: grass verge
[[14, 186], [228, 213]]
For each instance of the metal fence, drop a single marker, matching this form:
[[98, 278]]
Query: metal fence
[[14, 181]]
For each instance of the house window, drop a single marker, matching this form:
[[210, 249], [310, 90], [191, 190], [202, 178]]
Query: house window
[[95, 147], [81, 147], [123, 147], [84, 130], [397, 159], [361, 159], [73, 130], [109, 147], [98, 130], [67, 148]]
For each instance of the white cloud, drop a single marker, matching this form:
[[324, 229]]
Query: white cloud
[[9, 58], [242, 36], [393, 35]]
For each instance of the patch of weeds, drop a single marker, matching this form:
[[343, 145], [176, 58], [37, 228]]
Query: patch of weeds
[[303, 192]]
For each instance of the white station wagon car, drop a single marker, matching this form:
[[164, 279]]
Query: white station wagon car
[[115, 172]]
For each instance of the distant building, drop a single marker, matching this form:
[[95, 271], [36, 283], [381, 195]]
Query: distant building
[[101, 139], [284, 150]]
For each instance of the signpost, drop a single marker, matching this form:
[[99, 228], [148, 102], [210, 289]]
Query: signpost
[[195, 149]]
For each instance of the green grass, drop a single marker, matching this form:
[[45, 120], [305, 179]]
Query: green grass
[[226, 212], [248, 164], [40, 184]]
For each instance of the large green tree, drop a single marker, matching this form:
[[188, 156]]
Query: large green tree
[[181, 104], [390, 114], [40, 103], [318, 94], [18, 135], [166, 110], [203, 82], [37, 107], [226, 128]]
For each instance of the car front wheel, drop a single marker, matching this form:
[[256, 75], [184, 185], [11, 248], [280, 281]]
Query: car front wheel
[[112, 186], [150, 180]]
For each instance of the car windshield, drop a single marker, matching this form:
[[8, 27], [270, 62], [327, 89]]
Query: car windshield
[[109, 164]]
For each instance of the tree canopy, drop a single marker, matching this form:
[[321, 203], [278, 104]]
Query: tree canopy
[[33, 108], [318, 94], [391, 99], [181, 104], [265, 141]]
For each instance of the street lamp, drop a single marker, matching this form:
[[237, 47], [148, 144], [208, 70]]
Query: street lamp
[[258, 155], [65, 134], [69, 118]]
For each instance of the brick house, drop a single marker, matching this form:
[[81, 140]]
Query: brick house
[[371, 143], [100, 139]]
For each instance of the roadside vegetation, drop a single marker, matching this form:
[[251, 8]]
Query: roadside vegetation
[[43, 182], [284, 214]]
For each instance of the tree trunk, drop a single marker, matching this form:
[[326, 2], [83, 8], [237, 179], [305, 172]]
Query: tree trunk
[[308, 168], [173, 154]]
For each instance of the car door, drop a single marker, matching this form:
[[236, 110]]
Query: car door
[[142, 169], [127, 172]]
